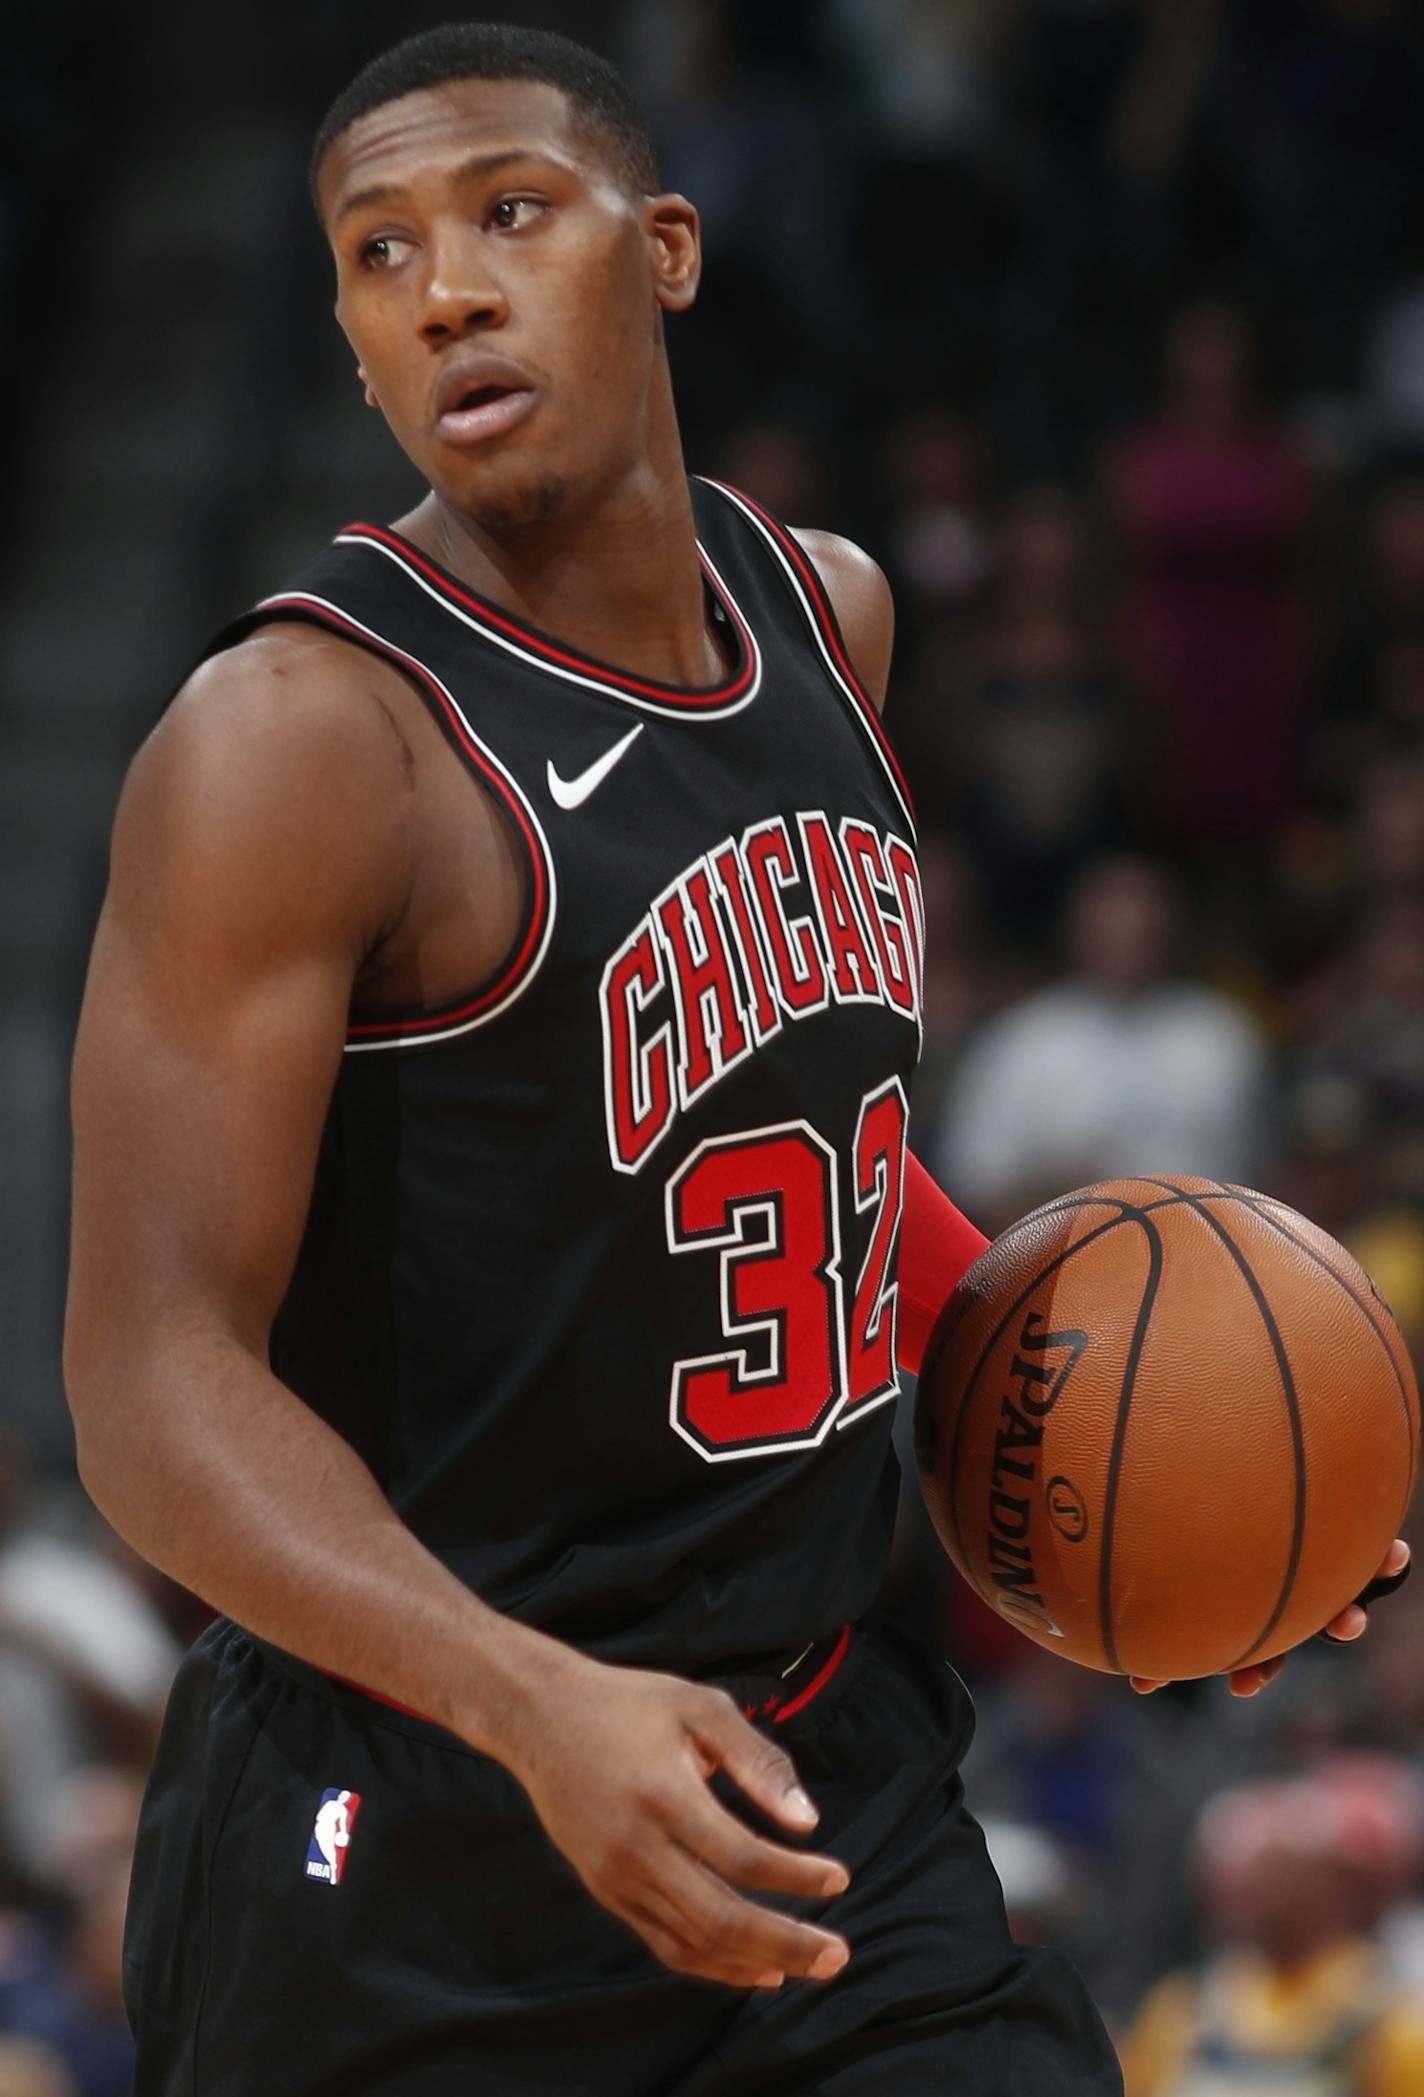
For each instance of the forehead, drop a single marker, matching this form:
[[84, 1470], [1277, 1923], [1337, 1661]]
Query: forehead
[[435, 129]]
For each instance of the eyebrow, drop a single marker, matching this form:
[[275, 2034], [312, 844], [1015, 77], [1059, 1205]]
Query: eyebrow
[[477, 164]]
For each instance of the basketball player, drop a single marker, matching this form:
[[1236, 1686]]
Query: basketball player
[[490, 1120]]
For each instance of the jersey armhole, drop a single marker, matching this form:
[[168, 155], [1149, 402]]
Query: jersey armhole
[[799, 573], [414, 1026]]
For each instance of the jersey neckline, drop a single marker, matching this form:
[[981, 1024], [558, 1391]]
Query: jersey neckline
[[508, 630]]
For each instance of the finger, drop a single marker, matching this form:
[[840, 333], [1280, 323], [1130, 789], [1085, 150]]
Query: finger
[[755, 1764], [1247, 1681], [1394, 1571], [718, 1922], [718, 1839], [1145, 1684], [681, 1957]]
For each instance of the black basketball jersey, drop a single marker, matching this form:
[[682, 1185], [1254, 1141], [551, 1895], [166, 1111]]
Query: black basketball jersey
[[599, 1271]]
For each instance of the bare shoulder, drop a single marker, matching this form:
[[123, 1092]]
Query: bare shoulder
[[277, 781], [861, 599], [287, 692]]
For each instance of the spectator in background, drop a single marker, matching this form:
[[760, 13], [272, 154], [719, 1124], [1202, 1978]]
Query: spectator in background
[[1121, 1066], [1360, 1031], [966, 977], [1037, 1877], [1388, 1241], [1395, 544], [938, 539], [1215, 515], [85, 1665], [1389, 826], [745, 115], [1037, 794], [61, 1968], [920, 77], [1395, 361], [1050, 562], [1318, 107], [1294, 1879], [1376, 683], [777, 465], [69, 1996], [1113, 1786], [30, 2070]]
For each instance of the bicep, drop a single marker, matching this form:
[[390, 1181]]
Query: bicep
[[213, 1026], [198, 1103]]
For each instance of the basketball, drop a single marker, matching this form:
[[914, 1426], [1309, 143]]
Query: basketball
[[1167, 1427]]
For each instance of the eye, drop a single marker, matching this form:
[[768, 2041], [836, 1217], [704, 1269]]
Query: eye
[[512, 214], [384, 251]]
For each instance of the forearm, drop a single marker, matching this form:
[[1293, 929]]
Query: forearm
[[218, 1474], [937, 1246]]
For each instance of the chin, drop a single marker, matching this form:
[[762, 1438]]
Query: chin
[[500, 511]]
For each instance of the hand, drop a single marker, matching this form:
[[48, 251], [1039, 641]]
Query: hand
[[617, 1763], [1350, 1624]]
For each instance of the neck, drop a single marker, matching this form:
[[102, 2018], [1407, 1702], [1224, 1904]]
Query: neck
[[614, 575]]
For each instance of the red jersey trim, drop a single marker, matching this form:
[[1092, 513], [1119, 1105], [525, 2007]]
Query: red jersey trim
[[824, 618], [405, 1710], [818, 1681], [545, 653], [400, 1028]]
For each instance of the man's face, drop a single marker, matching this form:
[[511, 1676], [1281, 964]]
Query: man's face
[[501, 289]]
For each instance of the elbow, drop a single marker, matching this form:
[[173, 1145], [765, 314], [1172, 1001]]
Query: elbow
[[119, 1466], [92, 1455], [94, 1386]]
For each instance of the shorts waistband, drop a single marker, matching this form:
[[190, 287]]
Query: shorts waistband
[[767, 1691], [777, 1694]]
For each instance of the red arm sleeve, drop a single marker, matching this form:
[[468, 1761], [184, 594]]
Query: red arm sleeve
[[937, 1245]]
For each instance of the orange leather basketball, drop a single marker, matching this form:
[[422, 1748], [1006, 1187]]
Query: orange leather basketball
[[1167, 1427]]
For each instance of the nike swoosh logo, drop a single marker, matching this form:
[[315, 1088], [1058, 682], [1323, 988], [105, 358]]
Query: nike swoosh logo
[[572, 793]]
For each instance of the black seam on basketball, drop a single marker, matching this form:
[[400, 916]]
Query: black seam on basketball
[[1224, 1193], [1119, 1441], [1124, 1215], [1070, 1202], [1088, 1198], [1278, 1347], [1411, 1427]]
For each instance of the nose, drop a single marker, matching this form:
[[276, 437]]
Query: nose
[[462, 295]]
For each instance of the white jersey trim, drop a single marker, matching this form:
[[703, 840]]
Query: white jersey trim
[[818, 634], [670, 708], [295, 599]]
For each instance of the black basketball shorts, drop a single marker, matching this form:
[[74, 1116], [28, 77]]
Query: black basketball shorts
[[332, 1899]]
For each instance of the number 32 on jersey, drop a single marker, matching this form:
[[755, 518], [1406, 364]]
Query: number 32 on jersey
[[796, 1358]]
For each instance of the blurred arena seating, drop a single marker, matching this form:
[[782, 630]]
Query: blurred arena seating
[[1102, 326]]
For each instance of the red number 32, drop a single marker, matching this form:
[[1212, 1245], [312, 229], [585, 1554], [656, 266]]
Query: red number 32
[[768, 1201]]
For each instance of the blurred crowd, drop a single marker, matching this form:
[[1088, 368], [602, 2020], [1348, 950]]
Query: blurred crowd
[[1101, 322]]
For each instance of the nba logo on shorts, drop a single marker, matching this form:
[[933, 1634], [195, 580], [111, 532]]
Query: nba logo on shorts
[[331, 1835]]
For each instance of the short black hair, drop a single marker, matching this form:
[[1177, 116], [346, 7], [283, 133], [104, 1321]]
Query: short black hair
[[500, 51]]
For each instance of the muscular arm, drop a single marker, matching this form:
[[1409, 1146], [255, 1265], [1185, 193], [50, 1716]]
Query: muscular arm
[[262, 845]]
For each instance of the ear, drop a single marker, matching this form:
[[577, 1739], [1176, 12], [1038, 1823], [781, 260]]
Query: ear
[[675, 248], [371, 400]]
